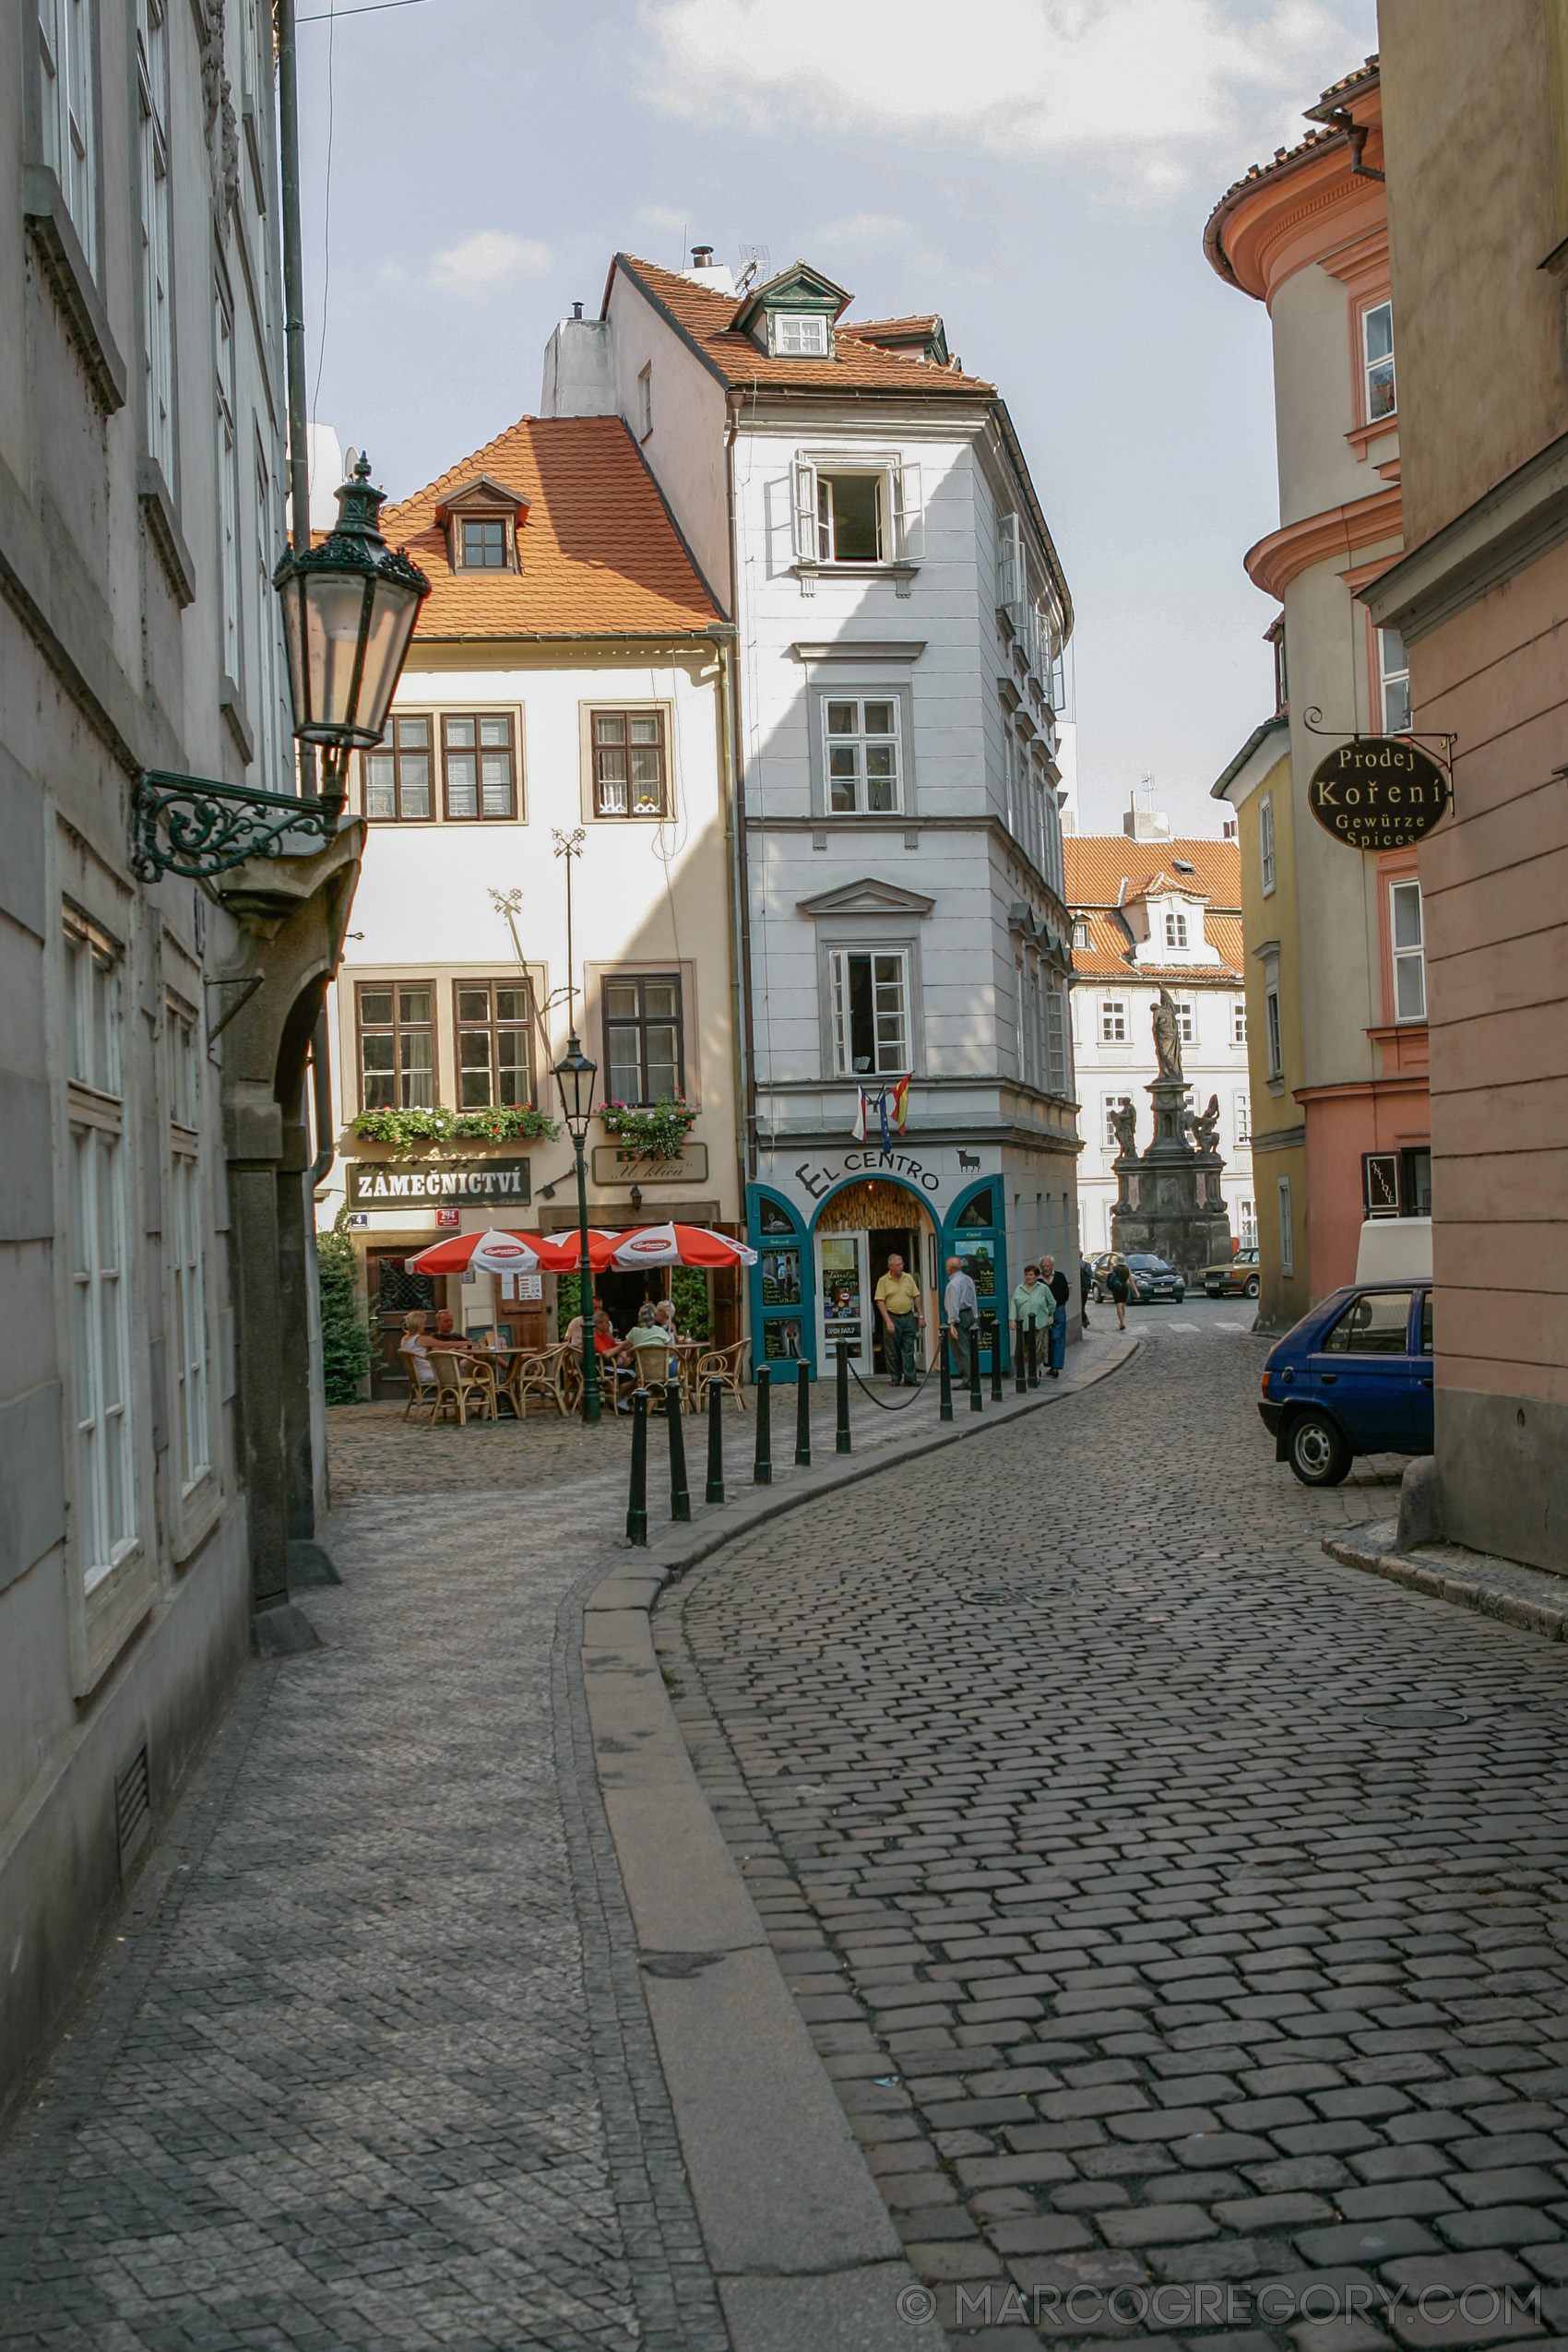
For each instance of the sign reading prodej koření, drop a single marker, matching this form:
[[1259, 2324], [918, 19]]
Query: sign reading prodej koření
[[1378, 792], [490, 1183]]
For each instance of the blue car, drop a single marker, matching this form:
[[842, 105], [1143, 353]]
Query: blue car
[[1353, 1377]]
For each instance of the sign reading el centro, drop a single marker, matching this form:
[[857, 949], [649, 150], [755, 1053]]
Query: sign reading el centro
[[1378, 792], [489, 1183]]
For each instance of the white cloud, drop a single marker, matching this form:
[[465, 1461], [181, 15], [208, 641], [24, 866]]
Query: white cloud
[[1141, 92], [485, 262], [659, 216], [864, 229]]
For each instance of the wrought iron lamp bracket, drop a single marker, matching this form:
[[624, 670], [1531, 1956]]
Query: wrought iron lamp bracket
[[193, 827], [1311, 721]]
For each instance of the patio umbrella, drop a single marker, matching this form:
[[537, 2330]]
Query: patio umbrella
[[680, 1245], [563, 1250], [487, 1253]]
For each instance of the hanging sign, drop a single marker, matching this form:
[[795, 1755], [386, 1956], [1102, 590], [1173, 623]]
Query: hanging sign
[[1378, 792], [488, 1183]]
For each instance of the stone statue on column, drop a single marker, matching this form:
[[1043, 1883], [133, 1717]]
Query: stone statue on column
[[1167, 1036]]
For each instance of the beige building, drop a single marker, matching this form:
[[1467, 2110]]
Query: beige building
[[1477, 154]]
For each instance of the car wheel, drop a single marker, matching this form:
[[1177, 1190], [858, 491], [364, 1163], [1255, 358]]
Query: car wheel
[[1318, 1455], [1252, 1287], [1096, 1294], [1181, 1297]]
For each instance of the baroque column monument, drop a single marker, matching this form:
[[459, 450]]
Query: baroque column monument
[[1168, 1203]]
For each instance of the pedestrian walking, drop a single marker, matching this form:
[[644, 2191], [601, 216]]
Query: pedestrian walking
[[898, 1303], [961, 1308], [1085, 1282], [1061, 1291], [1032, 1303], [1119, 1283]]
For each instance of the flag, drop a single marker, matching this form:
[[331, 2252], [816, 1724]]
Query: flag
[[888, 1106], [901, 1104], [858, 1127]]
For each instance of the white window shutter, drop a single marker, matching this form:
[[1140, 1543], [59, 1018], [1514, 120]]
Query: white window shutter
[[911, 513], [1009, 563], [804, 511], [839, 988]]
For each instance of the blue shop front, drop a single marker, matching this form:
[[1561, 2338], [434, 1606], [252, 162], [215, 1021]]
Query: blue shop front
[[824, 1225]]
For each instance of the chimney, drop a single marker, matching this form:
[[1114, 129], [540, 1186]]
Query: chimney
[[577, 310], [702, 256]]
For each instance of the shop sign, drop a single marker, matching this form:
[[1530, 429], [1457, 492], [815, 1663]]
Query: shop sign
[[444, 1217], [1378, 792], [820, 1179], [624, 1164], [481, 1183]]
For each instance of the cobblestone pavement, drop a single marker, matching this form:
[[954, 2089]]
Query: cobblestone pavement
[[368, 2065], [1176, 1911]]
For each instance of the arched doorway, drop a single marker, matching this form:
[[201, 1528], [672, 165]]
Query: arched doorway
[[858, 1229]]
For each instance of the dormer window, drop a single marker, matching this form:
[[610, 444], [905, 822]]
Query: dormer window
[[483, 546], [800, 335]]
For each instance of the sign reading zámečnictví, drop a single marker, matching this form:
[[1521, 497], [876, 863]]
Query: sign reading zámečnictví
[[1378, 792], [488, 1183]]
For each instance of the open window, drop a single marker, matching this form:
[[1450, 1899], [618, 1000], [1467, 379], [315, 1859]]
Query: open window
[[856, 511]]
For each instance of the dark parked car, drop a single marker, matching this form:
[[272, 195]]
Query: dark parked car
[[1235, 1279], [1149, 1280], [1353, 1377]]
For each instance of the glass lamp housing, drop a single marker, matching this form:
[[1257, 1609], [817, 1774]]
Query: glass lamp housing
[[574, 1074], [348, 612]]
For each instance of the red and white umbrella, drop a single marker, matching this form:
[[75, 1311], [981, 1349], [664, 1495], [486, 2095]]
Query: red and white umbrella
[[566, 1250], [487, 1253], [680, 1245]]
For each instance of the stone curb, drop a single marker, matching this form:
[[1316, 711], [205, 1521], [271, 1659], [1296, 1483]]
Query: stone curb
[[800, 2240], [1518, 1603]]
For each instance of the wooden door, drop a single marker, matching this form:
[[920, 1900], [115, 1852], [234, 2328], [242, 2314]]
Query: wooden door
[[393, 1292]]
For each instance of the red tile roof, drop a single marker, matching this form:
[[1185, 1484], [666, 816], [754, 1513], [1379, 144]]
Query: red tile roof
[[1109, 954], [599, 555], [706, 320], [1097, 864]]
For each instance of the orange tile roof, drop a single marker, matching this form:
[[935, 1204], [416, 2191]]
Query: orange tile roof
[[706, 320], [1097, 865], [1109, 954], [599, 555]]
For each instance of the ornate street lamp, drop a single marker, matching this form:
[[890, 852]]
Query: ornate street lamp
[[574, 1074], [348, 612]]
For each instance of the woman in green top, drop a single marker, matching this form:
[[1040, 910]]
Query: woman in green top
[[1032, 1303]]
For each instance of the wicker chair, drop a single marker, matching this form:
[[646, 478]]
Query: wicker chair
[[461, 1382], [727, 1366], [421, 1381], [538, 1373]]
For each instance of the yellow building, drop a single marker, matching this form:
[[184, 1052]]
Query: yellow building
[[1257, 786]]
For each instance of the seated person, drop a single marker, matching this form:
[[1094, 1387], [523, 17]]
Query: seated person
[[413, 1343], [444, 1335], [649, 1344]]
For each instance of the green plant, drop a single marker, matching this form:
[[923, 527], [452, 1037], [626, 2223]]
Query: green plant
[[688, 1291], [496, 1124], [345, 1338], [660, 1129]]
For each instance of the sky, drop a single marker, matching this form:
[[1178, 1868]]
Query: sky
[[1039, 173]]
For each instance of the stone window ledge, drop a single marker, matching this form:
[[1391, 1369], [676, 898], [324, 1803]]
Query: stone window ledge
[[65, 265], [232, 704], [163, 529]]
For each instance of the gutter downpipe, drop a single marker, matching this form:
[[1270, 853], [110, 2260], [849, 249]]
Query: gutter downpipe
[[299, 475], [738, 775]]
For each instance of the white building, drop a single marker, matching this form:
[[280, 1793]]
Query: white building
[[564, 679], [860, 506], [1147, 914]]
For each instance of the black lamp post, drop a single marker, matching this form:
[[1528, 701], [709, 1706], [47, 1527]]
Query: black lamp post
[[574, 1074], [348, 612]]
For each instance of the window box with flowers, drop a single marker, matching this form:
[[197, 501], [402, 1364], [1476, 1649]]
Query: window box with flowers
[[659, 1131], [413, 1130]]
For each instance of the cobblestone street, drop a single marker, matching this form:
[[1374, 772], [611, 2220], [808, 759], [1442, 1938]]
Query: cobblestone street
[[1172, 1907]]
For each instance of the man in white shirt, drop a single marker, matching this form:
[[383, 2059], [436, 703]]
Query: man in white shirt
[[961, 1308]]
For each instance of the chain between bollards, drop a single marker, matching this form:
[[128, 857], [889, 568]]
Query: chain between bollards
[[761, 1466], [636, 1505], [841, 1434], [944, 1411], [680, 1501], [714, 1440], [803, 1416]]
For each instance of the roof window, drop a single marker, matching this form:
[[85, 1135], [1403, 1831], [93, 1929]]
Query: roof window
[[1183, 865], [800, 334]]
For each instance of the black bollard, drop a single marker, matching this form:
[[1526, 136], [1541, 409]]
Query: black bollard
[[762, 1468], [945, 1410], [1018, 1376], [680, 1501], [1034, 1362], [841, 1435], [636, 1505], [976, 1403], [714, 1440], [803, 1416], [996, 1361]]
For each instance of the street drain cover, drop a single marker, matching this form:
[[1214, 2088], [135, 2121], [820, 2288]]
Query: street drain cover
[[1413, 1716]]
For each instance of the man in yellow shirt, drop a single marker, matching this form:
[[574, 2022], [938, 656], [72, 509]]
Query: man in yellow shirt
[[899, 1305]]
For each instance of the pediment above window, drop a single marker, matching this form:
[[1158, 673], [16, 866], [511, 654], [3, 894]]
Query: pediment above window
[[792, 317], [867, 897], [481, 519]]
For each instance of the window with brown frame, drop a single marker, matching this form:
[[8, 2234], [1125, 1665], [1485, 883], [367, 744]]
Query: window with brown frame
[[629, 767], [479, 764], [396, 777], [396, 1045], [494, 1043], [642, 1044], [483, 544]]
